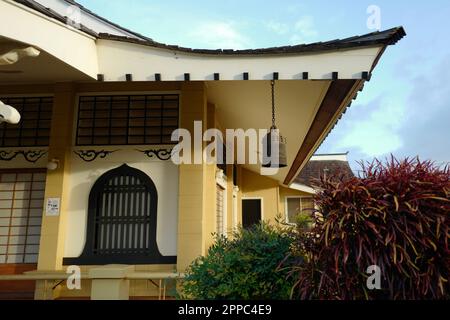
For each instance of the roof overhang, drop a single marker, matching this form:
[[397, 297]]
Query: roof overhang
[[60, 42], [317, 81]]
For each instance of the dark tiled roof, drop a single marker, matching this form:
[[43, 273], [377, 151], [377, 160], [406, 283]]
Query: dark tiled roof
[[315, 169], [387, 37]]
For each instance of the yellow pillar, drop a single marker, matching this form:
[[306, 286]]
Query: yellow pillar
[[53, 228], [192, 185], [109, 283]]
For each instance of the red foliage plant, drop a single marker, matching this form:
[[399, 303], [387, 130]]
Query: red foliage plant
[[395, 216]]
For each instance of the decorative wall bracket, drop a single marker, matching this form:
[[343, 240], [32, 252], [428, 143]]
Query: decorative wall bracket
[[92, 155], [32, 156], [161, 154]]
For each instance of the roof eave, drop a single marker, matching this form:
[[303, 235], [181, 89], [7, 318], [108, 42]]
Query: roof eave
[[390, 37]]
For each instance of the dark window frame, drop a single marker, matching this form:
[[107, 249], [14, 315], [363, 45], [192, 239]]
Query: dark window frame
[[150, 114], [99, 249]]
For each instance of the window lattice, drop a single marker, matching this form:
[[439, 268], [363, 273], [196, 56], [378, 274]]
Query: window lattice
[[34, 127], [127, 120]]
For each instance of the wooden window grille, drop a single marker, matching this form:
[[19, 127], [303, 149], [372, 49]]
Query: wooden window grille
[[127, 120], [33, 130]]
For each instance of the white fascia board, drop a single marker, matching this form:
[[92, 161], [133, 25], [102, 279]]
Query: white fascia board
[[116, 59], [329, 157], [301, 187], [77, 49]]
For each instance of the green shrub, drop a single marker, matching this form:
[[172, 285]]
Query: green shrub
[[396, 216], [243, 267]]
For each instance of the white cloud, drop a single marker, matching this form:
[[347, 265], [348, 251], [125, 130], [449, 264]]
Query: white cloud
[[277, 27], [218, 35], [377, 133], [304, 30]]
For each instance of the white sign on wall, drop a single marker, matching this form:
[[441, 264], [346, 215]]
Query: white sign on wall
[[52, 207]]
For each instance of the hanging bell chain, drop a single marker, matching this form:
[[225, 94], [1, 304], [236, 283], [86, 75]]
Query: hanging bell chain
[[273, 105]]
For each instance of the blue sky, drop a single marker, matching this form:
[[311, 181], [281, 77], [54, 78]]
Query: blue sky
[[404, 110]]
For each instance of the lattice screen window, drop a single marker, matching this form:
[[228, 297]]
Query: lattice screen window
[[34, 127], [298, 205], [220, 209], [127, 120], [123, 224], [21, 206]]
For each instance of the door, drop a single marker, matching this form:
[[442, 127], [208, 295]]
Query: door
[[21, 206], [251, 212]]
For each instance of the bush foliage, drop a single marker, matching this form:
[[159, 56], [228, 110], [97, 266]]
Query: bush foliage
[[243, 267], [396, 216]]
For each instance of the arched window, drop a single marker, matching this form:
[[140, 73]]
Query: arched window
[[122, 220]]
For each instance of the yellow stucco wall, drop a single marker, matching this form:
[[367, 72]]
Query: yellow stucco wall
[[196, 187], [192, 199], [254, 185]]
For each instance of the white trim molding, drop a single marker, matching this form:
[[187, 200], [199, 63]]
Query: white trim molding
[[302, 187], [235, 207], [221, 182], [330, 157]]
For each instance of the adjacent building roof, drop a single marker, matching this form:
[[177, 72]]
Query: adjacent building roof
[[326, 164]]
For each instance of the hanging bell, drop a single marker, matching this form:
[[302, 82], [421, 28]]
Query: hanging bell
[[274, 150]]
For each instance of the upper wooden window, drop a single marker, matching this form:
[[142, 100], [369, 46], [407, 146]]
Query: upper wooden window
[[34, 127], [127, 120]]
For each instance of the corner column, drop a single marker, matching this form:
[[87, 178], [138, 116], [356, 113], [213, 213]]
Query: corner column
[[53, 230], [192, 179]]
